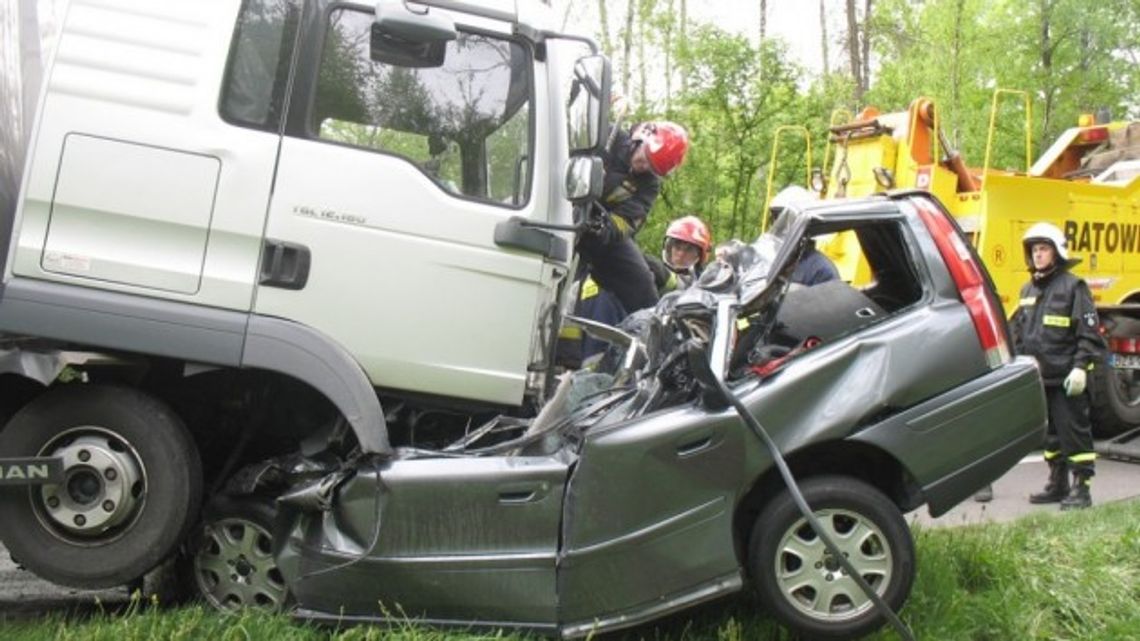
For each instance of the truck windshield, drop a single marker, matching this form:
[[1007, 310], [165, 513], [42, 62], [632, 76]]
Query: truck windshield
[[466, 124]]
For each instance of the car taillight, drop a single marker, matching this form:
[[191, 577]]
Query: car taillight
[[971, 282], [1120, 345]]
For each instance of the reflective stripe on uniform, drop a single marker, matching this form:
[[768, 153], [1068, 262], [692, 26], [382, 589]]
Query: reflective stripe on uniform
[[1049, 455], [570, 333], [1029, 302], [1056, 321], [589, 289], [1084, 457], [621, 224], [742, 324]]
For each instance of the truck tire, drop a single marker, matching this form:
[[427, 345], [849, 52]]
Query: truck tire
[[132, 489], [798, 581], [1114, 400]]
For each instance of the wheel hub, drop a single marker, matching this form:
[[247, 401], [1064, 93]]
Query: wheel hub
[[102, 486], [234, 567], [812, 579]]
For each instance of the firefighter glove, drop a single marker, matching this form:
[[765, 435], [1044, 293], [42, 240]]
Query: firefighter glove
[[1075, 382]]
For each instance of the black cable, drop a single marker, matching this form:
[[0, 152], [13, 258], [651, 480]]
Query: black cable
[[900, 627]]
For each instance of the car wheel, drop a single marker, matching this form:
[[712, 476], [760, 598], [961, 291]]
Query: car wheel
[[132, 486], [233, 559], [800, 582]]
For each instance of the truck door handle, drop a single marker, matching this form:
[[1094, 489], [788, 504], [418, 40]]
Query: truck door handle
[[514, 233], [284, 264]]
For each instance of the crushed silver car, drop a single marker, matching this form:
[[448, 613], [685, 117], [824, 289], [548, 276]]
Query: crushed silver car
[[639, 491]]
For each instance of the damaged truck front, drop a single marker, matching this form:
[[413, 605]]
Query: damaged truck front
[[241, 229]]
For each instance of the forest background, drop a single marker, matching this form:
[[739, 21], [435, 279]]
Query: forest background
[[732, 87]]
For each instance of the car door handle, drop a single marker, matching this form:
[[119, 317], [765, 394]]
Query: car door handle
[[519, 494], [694, 447]]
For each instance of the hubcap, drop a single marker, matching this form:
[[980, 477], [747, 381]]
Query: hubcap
[[234, 567], [104, 484], [814, 582]]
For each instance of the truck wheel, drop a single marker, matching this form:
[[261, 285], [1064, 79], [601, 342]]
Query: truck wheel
[[799, 581], [132, 488], [1114, 400], [233, 559]]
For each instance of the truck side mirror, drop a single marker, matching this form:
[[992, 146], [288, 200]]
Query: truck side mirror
[[587, 110], [409, 38], [584, 175]]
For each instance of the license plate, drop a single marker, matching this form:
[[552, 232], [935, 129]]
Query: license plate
[[30, 471], [1124, 361]]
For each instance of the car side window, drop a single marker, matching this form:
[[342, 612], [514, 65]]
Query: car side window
[[466, 124], [257, 72], [877, 280]]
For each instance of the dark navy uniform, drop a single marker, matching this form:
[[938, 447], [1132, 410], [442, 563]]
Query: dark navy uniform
[[1056, 323], [615, 261]]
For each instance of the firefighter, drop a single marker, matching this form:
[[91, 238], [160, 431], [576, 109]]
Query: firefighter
[[635, 164], [813, 268], [686, 245], [683, 254], [1056, 323]]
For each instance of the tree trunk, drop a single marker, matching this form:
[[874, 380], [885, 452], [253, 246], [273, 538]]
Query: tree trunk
[[684, 42], [823, 38], [668, 37], [627, 46], [853, 50], [566, 14], [763, 20], [604, 27], [956, 70], [865, 77], [644, 10], [1046, 43]]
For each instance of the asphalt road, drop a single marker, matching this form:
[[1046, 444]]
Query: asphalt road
[[22, 594]]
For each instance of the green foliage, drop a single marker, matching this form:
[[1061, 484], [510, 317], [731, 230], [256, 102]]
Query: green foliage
[[1069, 577], [1071, 56]]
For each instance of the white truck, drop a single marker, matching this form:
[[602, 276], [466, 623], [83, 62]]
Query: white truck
[[243, 228]]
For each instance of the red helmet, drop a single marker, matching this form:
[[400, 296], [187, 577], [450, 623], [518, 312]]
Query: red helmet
[[691, 230], [665, 144]]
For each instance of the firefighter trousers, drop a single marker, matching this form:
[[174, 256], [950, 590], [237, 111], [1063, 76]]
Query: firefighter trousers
[[1068, 435]]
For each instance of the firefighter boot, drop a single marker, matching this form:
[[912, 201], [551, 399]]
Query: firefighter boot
[[1056, 488], [1078, 498]]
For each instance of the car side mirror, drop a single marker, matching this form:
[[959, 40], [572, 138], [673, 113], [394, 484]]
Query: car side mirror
[[409, 37], [584, 176]]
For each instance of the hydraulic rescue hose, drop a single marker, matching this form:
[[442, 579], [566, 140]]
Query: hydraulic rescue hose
[[881, 605]]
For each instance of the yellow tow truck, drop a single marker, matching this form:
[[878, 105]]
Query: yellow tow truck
[[1087, 183]]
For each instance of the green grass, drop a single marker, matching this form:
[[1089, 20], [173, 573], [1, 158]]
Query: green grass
[[1076, 576]]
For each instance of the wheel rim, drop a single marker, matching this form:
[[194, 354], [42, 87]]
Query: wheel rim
[[103, 491], [234, 567], [814, 582]]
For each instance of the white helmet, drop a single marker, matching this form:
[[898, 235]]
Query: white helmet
[[789, 195], [1044, 233]]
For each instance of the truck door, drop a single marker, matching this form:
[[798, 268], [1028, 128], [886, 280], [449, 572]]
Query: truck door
[[391, 180]]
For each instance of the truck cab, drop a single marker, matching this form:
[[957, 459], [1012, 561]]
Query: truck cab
[[335, 198]]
